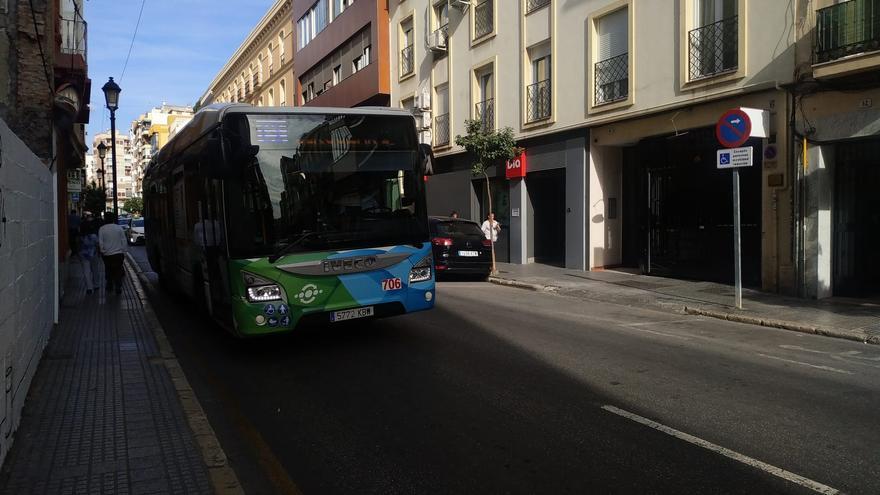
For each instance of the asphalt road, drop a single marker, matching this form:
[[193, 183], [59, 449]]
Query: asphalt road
[[500, 390]]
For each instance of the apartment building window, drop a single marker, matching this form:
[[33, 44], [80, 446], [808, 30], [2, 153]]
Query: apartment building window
[[271, 98], [441, 17], [361, 61], [339, 6], [260, 103], [441, 121], [270, 56], [611, 71], [847, 28], [407, 53], [713, 46], [282, 93], [484, 17], [337, 74], [281, 47], [484, 108], [312, 22], [327, 85], [538, 96], [260, 68], [533, 5]]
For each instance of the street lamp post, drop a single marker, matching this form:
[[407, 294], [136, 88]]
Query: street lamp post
[[102, 153], [111, 95]]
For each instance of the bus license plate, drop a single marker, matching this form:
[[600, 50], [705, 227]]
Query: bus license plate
[[351, 314], [469, 254]]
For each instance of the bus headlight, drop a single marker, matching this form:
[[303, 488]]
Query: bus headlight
[[259, 289], [264, 293], [421, 271]]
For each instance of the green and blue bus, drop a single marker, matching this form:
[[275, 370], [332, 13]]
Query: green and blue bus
[[271, 218]]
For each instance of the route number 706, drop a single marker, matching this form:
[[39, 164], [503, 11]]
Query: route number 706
[[391, 284]]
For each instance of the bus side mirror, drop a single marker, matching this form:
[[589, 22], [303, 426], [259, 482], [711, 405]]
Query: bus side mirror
[[427, 158]]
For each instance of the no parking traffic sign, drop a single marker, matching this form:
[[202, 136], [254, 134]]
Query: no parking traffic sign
[[734, 128]]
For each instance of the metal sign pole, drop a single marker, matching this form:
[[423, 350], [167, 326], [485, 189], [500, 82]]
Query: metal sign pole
[[737, 254]]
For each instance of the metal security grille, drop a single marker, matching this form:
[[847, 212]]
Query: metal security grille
[[441, 130], [406, 60], [483, 18], [847, 28], [713, 48], [485, 113], [533, 5], [538, 100], [612, 79], [74, 36]]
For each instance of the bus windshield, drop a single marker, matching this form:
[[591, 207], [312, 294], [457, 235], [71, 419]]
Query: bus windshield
[[312, 182]]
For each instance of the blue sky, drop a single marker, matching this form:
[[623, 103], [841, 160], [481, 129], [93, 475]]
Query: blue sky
[[180, 47]]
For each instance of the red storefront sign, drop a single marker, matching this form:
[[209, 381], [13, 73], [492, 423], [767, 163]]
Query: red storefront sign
[[516, 167]]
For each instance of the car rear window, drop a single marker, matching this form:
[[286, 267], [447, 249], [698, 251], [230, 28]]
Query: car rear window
[[459, 228], [137, 223]]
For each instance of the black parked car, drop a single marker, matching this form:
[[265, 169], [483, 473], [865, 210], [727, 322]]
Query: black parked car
[[460, 247]]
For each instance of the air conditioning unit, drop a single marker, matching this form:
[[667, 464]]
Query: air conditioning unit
[[424, 120], [437, 41]]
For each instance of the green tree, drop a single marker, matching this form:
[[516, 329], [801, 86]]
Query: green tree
[[487, 147], [135, 206], [94, 199]]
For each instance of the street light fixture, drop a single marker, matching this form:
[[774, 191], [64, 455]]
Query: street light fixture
[[111, 96], [102, 153]]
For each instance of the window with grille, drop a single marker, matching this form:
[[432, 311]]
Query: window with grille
[[713, 46], [611, 71]]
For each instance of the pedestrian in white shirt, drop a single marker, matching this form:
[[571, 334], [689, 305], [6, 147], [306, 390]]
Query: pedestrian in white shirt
[[113, 245], [491, 228]]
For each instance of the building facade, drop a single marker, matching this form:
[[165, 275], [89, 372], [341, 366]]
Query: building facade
[[126, 180], [260, 72], [615, 103], [342, 57], [837, 139], [150, 132], [44, 96]]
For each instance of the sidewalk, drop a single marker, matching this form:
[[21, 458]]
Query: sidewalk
[[105, 414], [849, 319]]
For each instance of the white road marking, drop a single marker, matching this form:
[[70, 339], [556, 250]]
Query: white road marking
[[645, 330], [848, 357], [816, 366], [763, 466], [658, 322]]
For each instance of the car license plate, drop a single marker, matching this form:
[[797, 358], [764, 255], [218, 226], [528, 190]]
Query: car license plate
[[469, 254], [351, 314]]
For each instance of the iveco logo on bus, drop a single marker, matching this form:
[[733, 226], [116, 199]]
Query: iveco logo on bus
[[516, 166], [355, 264]]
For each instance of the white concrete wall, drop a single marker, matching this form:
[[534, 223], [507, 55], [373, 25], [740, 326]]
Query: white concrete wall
[[27, 288], [606, 169]]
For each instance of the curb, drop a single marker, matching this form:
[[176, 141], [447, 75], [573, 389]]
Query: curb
[[523, 285], [721, 315], [784, 325], [223, 477]]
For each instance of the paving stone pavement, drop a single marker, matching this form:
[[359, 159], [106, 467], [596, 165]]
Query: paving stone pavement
[[103, 415]]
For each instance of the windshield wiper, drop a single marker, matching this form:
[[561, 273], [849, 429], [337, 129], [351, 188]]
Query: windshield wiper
[[287, 248]]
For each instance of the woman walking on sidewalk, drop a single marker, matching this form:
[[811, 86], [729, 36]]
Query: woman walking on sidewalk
[[88, 255], [113, 245]]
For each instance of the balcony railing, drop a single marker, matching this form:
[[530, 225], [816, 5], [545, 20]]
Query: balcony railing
[[74, 37], [483, 19], [713, 49], [441, 130], [533, 5], [406, 61], [485, 113], [612, 79], [847, 28], [538, 100]]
